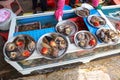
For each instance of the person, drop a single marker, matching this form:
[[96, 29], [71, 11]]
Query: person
[[72, 3], [59, 9], [44, 6], [60, 5]]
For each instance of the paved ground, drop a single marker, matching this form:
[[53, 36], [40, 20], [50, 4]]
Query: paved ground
[[109, 65], [26, 5]]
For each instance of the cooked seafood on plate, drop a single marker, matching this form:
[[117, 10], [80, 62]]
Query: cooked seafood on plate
[[107, 35], [52, 46], [82, 12], [66, 27], [85, 39], [96, 21], [19, 47]]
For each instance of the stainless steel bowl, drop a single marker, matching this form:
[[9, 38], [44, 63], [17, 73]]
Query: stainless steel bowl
[[87, 40], [63, 23], [61, 53], [19, 50]]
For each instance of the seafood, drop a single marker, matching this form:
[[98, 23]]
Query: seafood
[[45, 45], [82, 43], [20, 41], [66, 27], [85, 40], [13, 55], [97, 21], [10, 46], [19, 47], [67, 30], [31, 46], [55, 46], [29, 26], [26, 53], [83, 12], [107, 35], [55, 52]]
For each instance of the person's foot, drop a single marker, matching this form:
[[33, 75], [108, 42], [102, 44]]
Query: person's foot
[[34, 11]]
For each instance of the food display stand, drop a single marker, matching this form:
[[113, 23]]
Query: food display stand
[[73, 55]]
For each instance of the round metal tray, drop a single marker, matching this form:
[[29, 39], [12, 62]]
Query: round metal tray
[[89, 18], [63, 23], [19, 50], [85, 32], [61, 53]]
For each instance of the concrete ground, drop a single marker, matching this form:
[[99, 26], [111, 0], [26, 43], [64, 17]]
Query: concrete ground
[[26, 5]]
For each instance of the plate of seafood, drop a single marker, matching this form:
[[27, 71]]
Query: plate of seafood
[[66, 27], [19, 48], [107, 35], [96, 21], [28, 26], [85, 40], [52, 46], [82, 12]]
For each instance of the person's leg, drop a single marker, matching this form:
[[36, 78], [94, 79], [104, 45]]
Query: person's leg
[[34, 4], [43, 4], [83, 1], [72, 3]]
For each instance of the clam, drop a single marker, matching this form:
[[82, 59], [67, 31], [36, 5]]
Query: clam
[[115, 40], [49, 38], [55, 52], [53, 43], [80, 36], [102, 34], [82, 43], [19, 38], [31, 46], [59, 40], [60, 28], [13, 55], [67, 30], [54, 36], [20, 41], [87, 37], [102, 22], [45, 45], [45, 40], [118, 33], [81, 13], [106, 39], [62, 46], [93, 19], [10, 46]]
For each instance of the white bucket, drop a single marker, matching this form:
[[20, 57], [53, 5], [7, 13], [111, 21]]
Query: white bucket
[[5, 18]]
